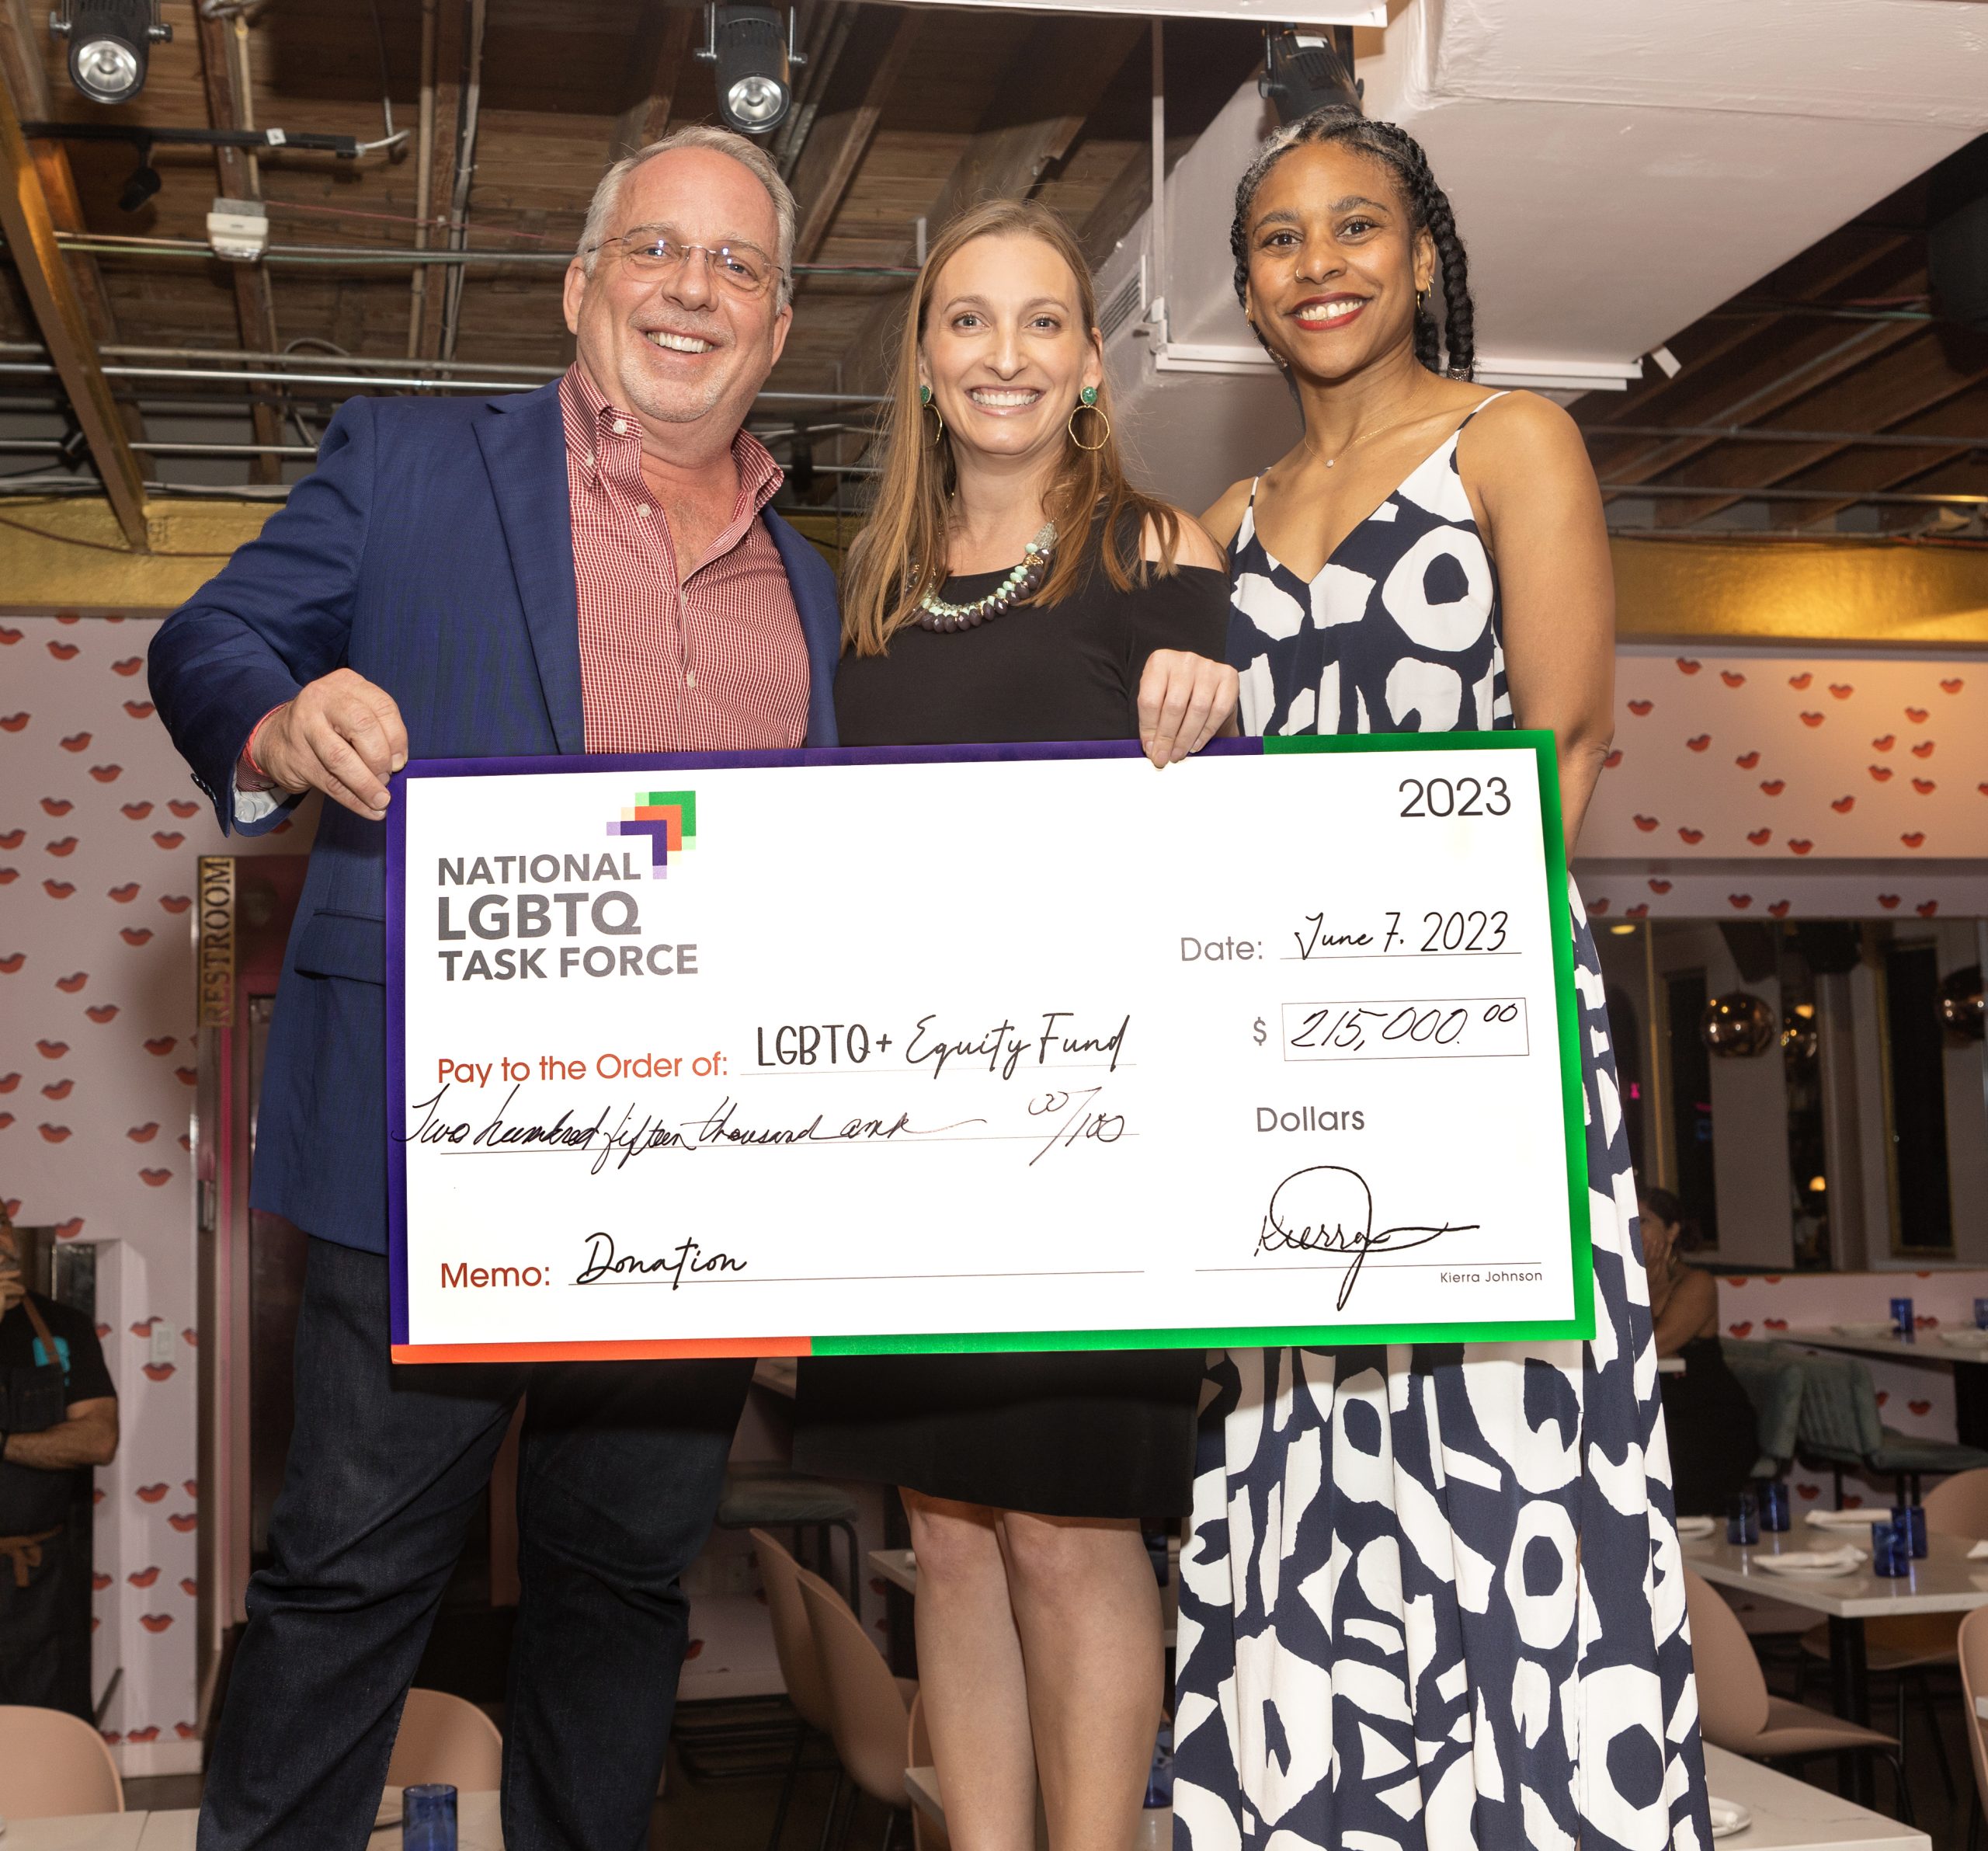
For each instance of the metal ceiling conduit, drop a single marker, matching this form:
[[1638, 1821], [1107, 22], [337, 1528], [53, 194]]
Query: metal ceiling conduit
[[1750, 433], [266, 373]]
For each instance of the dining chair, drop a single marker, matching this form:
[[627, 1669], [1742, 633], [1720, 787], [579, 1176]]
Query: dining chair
[[1771, 1375], [869, 1710], [1959, 1506], [1737, 1712], [799, 1670], [1841, 1428], [52, 1763], [446, 1741], [1973, 1654]]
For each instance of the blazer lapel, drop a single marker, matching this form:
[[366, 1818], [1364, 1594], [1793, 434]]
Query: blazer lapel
[[523, 441], [814, 587]]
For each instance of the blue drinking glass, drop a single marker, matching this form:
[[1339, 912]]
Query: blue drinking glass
[[1910, 1522], [428, 1818], [1773, 1495], [1981, 1313], [1901, 1318], [1742, 1520], [1891, 1556]]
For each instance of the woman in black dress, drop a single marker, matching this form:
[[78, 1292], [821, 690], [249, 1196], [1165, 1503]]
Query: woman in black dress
[[1714, 1436], [1011, 585]]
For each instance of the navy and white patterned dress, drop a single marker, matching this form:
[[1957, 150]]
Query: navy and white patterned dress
[[1433, 1598]]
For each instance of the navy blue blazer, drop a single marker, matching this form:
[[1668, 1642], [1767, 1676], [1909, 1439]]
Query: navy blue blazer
[[431, 552]]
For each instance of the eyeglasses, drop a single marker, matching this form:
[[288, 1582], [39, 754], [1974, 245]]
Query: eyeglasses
[[742, 268]]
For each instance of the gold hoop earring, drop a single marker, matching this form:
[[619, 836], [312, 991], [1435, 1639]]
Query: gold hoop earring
[[1089, 403], [939, 417]]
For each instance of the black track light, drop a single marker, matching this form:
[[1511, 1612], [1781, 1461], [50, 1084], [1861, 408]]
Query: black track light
[[754, 56], [143, 184], [110, 42], [1304, 71]]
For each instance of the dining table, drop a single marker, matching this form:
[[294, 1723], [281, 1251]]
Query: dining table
[[1949, 1579], [478, 1827]]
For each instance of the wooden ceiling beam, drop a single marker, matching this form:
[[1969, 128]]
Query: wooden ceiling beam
[[1040, 105], [1913, 378], [236, 177], [30, 229], [836, 146], [24, 73], [664, 38]]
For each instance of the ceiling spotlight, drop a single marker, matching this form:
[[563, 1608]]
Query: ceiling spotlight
[[110, 41], [754, 57], [1307, 71]]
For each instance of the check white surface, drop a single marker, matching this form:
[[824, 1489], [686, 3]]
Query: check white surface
[[1034, 1045]]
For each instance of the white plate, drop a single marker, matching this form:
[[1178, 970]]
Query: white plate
[[1728, 1816], [1813, 1564], [1965, 1339], [1692, 1529], [1886, 1329]]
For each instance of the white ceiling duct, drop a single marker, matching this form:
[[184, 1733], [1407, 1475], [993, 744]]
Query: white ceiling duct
[[1617, 171]]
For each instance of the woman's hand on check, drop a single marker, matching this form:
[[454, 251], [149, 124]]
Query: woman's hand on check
[[1184, 701]]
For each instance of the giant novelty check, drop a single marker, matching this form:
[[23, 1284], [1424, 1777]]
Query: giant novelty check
[[1024, 1048]]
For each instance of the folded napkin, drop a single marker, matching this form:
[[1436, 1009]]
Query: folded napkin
[[1846, 1520], [1797, 1561], [1965, 1339], [1978, 1553], [1692, 1527], [1864, 1330]]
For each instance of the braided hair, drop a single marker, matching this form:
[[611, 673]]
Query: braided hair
[[1428, 210]]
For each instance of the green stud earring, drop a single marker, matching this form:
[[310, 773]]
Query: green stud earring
[[1088, 395], [924, 396]]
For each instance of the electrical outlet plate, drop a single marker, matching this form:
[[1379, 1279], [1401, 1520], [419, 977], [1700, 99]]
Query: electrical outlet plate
[[163, 1334]]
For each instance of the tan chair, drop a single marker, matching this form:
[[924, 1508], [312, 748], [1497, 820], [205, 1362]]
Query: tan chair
[[926, 1834], [869, 1710], [446, 1741], [799, 1669], [1959, 1506], [52, 1763], [1973, 1687], [1737, 1713]]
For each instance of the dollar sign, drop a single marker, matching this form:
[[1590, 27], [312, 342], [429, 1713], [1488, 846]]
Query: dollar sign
[[1260, 1032]]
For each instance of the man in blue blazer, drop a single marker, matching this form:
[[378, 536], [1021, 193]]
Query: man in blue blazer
[[590, 566]]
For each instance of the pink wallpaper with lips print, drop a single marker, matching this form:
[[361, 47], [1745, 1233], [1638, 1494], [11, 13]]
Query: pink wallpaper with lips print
[[100, 826]]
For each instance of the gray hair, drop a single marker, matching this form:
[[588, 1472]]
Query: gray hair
[[749, 155]]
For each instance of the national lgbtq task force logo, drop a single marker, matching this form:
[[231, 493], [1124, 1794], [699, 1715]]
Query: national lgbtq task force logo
[[667, 818]]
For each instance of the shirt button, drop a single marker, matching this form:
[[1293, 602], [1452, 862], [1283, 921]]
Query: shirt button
[[620, 427], [690, 678], [644, 509]]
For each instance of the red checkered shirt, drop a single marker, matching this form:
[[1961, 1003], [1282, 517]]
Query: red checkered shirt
[[714, 662]]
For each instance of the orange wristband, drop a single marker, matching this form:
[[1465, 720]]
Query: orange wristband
[[248, 750]]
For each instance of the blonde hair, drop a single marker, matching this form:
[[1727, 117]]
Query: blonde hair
[[901, 554]]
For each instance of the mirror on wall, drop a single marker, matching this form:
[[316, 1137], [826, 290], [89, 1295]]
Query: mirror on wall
[[1814, 1091]]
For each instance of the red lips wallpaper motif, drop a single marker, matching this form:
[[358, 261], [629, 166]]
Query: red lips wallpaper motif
[[126, 894], [1687, 666], [139, 710], [106, 773]]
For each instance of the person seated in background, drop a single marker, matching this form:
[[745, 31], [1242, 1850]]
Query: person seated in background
[[1714, 1440], [58, 1417]]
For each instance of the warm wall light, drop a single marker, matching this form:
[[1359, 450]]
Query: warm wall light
[[1817, 1185], [1622, 928]]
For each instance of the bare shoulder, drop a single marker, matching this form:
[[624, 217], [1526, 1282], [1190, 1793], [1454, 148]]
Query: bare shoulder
[[1517, 435], [1194, 547], [1224, 519]]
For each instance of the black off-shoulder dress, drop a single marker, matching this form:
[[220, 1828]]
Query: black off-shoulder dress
[[1075, 1434]]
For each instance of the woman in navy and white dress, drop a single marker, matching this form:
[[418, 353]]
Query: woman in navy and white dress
[[1433, 1598]]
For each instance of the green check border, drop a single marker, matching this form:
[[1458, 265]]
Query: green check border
[[1559, 916]]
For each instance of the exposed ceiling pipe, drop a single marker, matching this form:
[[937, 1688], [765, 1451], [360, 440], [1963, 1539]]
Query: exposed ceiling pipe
[[1750, 433], [465, 172], [424, 175]]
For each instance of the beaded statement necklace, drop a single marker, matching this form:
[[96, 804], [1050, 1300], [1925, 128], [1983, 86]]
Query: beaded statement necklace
[[1024, 581]]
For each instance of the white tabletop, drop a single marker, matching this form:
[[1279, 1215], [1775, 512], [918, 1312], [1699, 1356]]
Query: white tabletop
[[478, 1826], [1944, 1582], [1789, 1815], [1925, 1347]]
